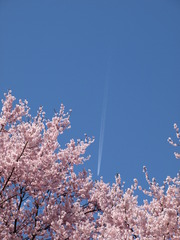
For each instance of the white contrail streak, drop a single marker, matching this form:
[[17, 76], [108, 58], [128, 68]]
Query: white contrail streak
[[103, 118]]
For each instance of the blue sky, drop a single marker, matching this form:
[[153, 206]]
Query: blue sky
[[54, 52]]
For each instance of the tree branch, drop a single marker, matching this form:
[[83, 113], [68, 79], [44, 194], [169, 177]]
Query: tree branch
[[14, 167]]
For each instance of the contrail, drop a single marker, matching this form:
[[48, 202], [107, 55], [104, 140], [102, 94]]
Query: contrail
[[103, 119]]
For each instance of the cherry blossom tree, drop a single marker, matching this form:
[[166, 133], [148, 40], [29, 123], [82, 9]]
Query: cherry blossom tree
[[40, 194], [42, 197], [122, 218]]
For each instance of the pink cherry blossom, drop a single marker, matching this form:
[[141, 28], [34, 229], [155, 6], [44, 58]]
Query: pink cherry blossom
[[43, 197]]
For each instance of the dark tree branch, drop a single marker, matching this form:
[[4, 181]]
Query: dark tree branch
[[22, 194], [14, 167]]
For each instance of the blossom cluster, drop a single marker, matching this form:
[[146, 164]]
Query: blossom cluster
[[43, 197]]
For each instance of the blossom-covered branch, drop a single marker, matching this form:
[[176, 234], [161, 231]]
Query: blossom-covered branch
[[41, 195]]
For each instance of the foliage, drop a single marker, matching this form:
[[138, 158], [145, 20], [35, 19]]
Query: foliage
[[42, 197]]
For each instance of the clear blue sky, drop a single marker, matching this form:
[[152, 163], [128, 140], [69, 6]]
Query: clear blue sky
[[62, 51]]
